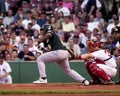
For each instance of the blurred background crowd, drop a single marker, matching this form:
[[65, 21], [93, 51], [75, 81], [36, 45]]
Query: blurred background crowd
[[75, 22]]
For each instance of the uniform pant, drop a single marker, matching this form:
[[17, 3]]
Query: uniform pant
[[61, 58], [6, 80], [108, 70]]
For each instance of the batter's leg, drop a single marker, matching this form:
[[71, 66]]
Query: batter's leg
[[42, 59], [73, 74]]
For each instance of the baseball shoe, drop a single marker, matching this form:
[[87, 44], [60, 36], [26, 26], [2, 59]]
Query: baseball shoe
[[86, 82], [40, 81], [109, 82], [94, 82]]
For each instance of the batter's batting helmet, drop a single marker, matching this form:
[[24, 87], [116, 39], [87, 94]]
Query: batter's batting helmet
[[47, 28]]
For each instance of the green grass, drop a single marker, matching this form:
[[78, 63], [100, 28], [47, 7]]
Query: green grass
[[3, 92]]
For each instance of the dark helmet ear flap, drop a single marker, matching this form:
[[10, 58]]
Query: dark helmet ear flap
[[47, 28]]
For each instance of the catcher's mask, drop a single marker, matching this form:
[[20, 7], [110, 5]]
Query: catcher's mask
[[93, 45]]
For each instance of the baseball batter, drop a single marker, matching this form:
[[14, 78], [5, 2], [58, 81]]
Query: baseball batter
[[58, 54], [99, 63], [5, 70]]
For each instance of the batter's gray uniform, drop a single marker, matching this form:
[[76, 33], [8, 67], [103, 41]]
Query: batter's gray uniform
[[58, 54]]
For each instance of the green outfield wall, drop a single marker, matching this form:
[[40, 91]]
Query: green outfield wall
[[27, 72]]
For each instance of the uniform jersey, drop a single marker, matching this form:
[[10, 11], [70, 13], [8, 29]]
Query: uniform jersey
[[106, 57], [55, 42], [5, 67]]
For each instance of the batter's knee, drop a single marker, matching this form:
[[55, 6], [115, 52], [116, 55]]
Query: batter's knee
[[39, 59], [67, 71]]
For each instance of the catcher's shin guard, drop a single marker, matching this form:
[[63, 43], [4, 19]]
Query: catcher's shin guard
[[93, 76], [99, 72]]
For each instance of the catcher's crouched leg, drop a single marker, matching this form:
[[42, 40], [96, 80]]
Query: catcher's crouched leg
[[95, 79], [99, 72]]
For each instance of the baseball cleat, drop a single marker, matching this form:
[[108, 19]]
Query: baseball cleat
[[86, 82], [109, 82], [94, 82], [40, 81]]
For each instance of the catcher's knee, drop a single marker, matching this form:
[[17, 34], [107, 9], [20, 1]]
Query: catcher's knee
[[93, 68], [87, 64]]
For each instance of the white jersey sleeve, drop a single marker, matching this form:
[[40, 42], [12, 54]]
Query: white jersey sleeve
[[105, 56]]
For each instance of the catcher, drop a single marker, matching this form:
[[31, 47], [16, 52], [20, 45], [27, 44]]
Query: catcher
[[99, 63], [58, 54]]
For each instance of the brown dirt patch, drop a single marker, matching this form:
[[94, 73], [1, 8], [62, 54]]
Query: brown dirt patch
[[58, 86]]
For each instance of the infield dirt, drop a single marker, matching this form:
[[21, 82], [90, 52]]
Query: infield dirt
[[62, 87]]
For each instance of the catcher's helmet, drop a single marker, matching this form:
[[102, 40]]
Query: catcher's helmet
[[92, 45]]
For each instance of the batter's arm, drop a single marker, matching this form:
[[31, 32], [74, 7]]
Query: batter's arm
[[45, 37]]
